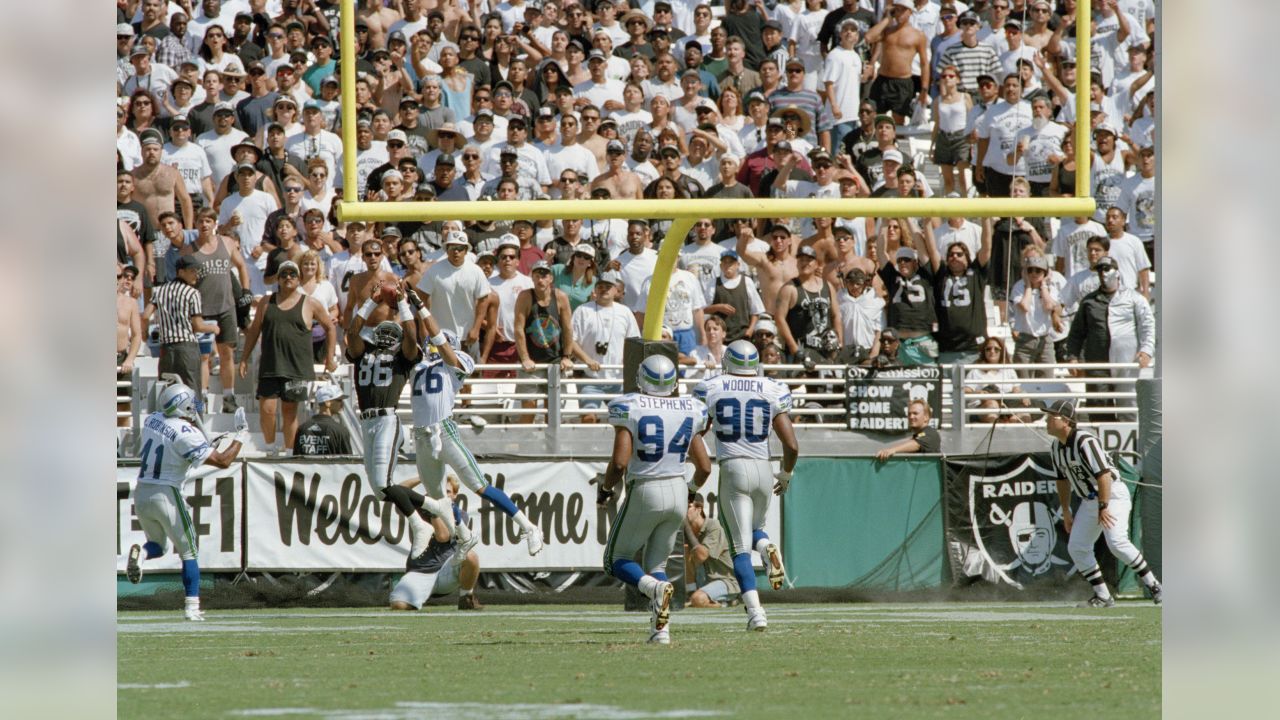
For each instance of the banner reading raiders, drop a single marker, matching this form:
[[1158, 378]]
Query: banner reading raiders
[[1003, 522], [877, 398]]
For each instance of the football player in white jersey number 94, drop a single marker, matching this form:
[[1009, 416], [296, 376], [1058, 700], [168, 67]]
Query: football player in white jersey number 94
[[173, 442], [743, 406], [654, 435]]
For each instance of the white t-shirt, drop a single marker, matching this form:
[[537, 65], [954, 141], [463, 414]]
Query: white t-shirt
[[253, 211], [1036, 322], [454, 293], [1071, 244], [969, 233], [1041, 144], [704, 262], [1131, 258], [1138, 200], [217, 148], [324, 293], [1000, 125], [1106, 180], [636, 272], [192, 163], [598, 93], [684, 296], [576, 157], [324, 145], [630, 122], [594, 325], [843, 69], [157, 82], [862, 317], [507, 290]]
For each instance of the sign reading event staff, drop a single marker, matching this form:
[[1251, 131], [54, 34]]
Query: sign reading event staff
[[876, 399]]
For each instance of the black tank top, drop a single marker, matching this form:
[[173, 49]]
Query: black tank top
[[286, 343], [122, 252], [810, 318], [542, 331], [735, 324]]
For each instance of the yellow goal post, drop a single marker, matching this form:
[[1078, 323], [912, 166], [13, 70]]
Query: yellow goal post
[[683, 213]]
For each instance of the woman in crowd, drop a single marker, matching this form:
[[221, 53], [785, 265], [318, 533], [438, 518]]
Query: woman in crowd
[[988, 380], [315, 283], [578, 278]]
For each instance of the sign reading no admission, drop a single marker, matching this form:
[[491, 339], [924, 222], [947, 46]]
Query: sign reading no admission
[[876, 399]]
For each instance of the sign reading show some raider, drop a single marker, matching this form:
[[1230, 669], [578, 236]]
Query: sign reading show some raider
[[877, 398]]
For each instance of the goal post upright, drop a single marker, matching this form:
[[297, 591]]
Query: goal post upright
[[685, 212]]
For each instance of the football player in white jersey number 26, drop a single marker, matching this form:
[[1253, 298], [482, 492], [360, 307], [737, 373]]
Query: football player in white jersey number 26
[[173, 441], [743, 406], [434, 384], [653, 436]]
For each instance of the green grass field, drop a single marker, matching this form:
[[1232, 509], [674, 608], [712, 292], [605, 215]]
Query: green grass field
[[1009, 660]]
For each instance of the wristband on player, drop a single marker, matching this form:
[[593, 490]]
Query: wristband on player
[[406, 315], [366, 309], [423, 312], [693, 485], [438, 340]]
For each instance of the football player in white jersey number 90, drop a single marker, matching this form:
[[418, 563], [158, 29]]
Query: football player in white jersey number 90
[[173, 441], [654, 434], [743, 406]]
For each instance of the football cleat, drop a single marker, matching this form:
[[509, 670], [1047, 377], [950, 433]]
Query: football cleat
[[478, 422], [469, 602], [1097, 602], [756, 620], [133, 570], [194, 614], [777, 574], [419, 535], [1157, 594], [660, 637], [466, 541], [533, 536], [662, 606]]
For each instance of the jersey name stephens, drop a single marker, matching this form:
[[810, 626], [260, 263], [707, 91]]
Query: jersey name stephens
[[645, 402]]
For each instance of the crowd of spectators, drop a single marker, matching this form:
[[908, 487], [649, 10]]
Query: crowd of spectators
[[229, 164]]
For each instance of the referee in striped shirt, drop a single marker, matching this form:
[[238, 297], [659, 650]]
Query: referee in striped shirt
[[176, 308], [1104, 504]]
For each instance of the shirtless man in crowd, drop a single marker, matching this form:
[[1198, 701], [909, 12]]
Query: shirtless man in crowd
[[160, 187], [621, 182], [379, 19], [775, 268], [895, 86], [364, 284]]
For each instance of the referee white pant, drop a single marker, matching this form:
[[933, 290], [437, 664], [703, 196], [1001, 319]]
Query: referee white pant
[[650, 517], [746, 486], [438, 445], [162, 513], [381, 435], [1085, 530]]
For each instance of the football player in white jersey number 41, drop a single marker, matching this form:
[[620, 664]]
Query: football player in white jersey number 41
[[173, 441], [654, 434], [743, 406]]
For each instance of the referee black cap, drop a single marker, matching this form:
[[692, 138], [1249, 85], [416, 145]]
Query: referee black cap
[[1064, 409]]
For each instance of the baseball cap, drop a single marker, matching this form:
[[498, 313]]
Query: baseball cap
[[1035, 261], [446, 159], [794, 61], [1106, 126], [1013, 23], [856, 275], [904, 3], [392, 174], [508, 151], [669, 146], [124, 30], [595, 54], [968, 16], [1106, 262], [883, 118], [772, 25], [330, 80], [1063, 408], [766, 325], [284, 99], [179, 120], [807, 251], [756, 96], [540, 266], [187, 261], [729, 255], [517, 120], [508, 240], [546, 111], [906, 253], [408, 100], [288, 265], [313, 104], [138, 49], [458, 238], [892, 155], [584, 249], [613, 277], [615, 146], [889, 333], [782, 146], [391, 231], [245, 166], [151, 137], [398, 135], [774, 121], [223, 107]]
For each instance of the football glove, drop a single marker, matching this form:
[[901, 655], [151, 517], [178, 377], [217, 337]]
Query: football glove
[[783, 481]]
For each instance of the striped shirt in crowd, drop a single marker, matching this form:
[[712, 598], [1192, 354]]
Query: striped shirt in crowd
[[809, 102], [1081, 460], [981, 59], [175, 303]]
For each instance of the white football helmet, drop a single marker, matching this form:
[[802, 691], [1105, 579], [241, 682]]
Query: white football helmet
[[742, 358], [178, 400], [657, 376]]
